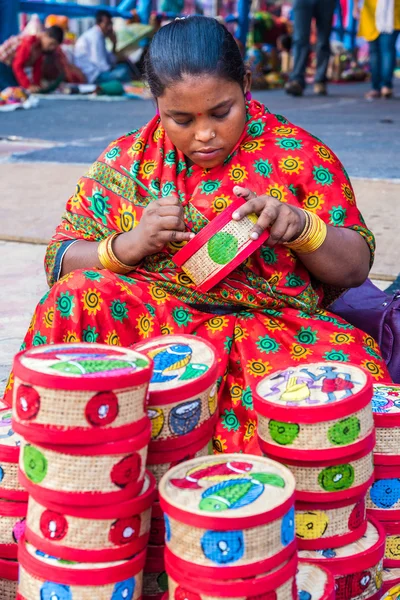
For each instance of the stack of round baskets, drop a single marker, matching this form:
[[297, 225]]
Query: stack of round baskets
[[229, 525], [317, 420], [383, 501], [182, 406], [80, 409], [13, 506]]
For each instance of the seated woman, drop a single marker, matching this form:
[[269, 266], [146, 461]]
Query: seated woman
[[208, 143]]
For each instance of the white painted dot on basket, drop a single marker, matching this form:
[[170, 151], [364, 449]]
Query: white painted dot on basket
[[128, 531]]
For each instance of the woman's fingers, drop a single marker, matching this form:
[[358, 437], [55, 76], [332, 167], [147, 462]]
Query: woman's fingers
[[172, 235], [243, 192]]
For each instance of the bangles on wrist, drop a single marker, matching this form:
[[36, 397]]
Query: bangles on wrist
[[312, 237], [109, 260]]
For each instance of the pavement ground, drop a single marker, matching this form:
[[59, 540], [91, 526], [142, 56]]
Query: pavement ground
[[44, 151]]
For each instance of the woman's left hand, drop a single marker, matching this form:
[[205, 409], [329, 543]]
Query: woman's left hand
[[284, 221]]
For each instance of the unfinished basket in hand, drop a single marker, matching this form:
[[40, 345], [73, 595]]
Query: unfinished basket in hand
[[10, 488], [80, 393]]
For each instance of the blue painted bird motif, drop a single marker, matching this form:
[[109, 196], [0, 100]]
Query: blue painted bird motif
[[168, 359]]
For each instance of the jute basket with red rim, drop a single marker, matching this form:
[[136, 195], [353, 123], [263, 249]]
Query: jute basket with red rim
[[157, 526], [383, 498], [155, 580], [10, 488], [80, 393], [320, 410], [231, 516], [320, 526], [219, 248], [314, 582], [392, 547], [43, 577], [331, 480], [8, 579], [12, 527], [386, 407], [182, 403], [391, 585], [96, 534], [357, 567], [85, 475], [187, 585]]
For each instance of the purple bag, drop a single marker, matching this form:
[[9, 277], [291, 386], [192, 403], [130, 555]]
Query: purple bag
[[378, 314]]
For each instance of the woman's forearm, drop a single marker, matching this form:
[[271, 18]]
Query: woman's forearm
[[343, 260]]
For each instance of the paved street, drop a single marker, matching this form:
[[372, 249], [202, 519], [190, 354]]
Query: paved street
[[54, 144]]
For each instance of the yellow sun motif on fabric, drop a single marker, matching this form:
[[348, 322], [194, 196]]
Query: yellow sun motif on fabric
[[66, 277], [249, 430], [159, 295], [166, 329], [275, 278], [253, 145], [48, 318], [126, 220], [313, 201], [71, 337], [369, 341], [136, 148], [158, 134], [240, 333], [216, 324], [76, 200], [112, 338], [277, 191], [145, 325], [237, 173], [340, 338], [291, 164], [219, 444], [124, 288], [274, 325], [220, 203], [147, 168], [298, 352], [348, 193], [285, 131], [184, 280], [33, 322], [324, 153], [373, 369], [92, 301], [258, 367], [291, 255]]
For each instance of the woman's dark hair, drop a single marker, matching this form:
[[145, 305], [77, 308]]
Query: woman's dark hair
[[192, 46], [101, 15], [55, 33]]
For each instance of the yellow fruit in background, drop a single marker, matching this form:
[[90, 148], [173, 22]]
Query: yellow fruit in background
[[311, 525], [156, 417]]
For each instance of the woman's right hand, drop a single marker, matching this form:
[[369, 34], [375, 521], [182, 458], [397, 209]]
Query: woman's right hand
[[161, 222]]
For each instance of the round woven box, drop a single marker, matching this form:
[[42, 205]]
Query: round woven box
[[392, 547], [158, 463], [357, 567], [44, 577], [92, 534], [12, 527], [155, 580], [8, 579], [314, 582], [391, 579], [386, 407], [333, 480], [80, 393], [219, 248], [383, 498], [182, 403], [230, 517], [325, 525], [10, 488], [279, 584], [321, 410], [85, 475]]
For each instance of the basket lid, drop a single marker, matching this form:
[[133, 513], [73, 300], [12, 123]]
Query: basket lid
[[386, 405], [315, 582], [301, 394], [184, 365], [9, 440], [365, 553], [232, 491], [82, 366]]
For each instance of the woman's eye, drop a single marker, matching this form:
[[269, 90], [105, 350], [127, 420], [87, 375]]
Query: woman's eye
[[224, 115], [183, 123]]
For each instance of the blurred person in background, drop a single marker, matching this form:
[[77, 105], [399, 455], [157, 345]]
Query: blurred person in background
[[380, 26], [303, 13]]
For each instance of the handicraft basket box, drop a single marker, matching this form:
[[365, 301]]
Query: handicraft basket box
[[393, 593], [10, 488], [8, 579], [357, 567], [314, 582], [383, 498], [391, 580], [92, 534], [317, 411], [386, 407], [219, 248], [228, 517], [155, 580], [182, 403], [12, 527], [80, 393]]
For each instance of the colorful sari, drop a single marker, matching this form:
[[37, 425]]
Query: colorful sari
[[268, 314]]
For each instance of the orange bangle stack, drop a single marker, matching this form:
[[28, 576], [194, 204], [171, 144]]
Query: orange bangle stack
[[312, 236], [109, 260]]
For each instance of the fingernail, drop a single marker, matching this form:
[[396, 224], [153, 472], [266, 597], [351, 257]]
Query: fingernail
[[254, 235], [236, 216], [192, 236]]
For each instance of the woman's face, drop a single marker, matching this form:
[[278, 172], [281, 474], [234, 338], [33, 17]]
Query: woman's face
[[204, 117]]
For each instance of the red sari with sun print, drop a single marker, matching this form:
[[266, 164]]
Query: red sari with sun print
[[276, 316]]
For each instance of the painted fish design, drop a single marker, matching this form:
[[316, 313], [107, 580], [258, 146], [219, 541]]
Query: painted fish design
[[169, 359], [96, 368], [228, 495], [214, 472]]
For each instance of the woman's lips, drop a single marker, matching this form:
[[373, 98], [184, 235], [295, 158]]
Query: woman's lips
[[208, 153]]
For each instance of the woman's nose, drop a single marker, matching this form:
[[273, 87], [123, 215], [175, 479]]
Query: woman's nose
[[204, 135]]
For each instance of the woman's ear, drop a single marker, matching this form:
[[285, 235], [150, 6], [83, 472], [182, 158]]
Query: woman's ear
[[247, 81]]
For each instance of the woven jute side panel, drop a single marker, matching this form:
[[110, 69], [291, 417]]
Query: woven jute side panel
[[259, 543], [390, 574], [353, 582], [323, 523], [284, 592], [30, 588], [8, 589], [7, 525], [318, 436], [307, 476], [66, 408], [311, 579], [160, 470], [152, 583], [392, 548], [200, 266], [171, 421], [84, 534], [72, 473], [10, 477], [388, 441]]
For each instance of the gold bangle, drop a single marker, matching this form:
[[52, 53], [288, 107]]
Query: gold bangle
[[312, 237], [109, 260]]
